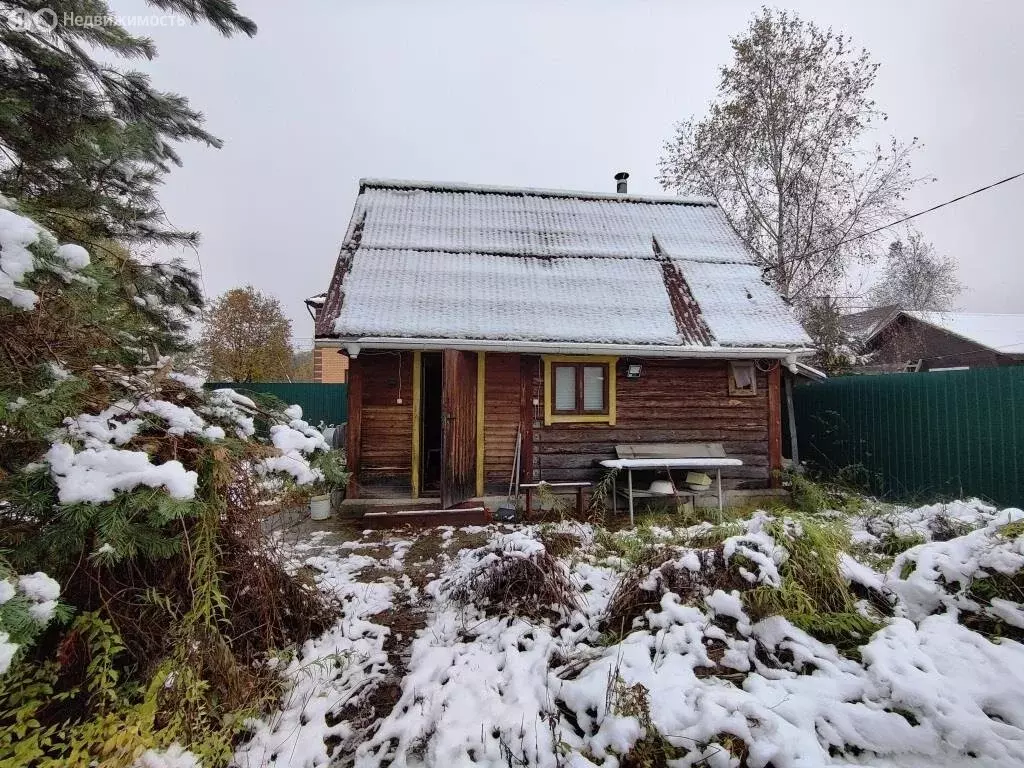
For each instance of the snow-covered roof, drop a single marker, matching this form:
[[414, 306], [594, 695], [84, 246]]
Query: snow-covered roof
[[860, 326], [999, 332], [810, 371], [453, 261]]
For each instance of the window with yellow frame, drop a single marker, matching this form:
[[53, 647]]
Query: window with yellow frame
[[579, 389]]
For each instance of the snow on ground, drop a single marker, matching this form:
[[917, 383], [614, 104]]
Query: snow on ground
[[413, 674]]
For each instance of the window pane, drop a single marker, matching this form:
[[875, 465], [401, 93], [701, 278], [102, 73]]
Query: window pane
[[593, 387], [565, 388]]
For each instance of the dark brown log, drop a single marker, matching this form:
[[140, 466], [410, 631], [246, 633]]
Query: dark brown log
[[529, 372], [775, 426], [355, 424]]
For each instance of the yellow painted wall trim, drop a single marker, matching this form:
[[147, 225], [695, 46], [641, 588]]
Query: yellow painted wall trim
[[589, 418], [480, 397], [417, 377]]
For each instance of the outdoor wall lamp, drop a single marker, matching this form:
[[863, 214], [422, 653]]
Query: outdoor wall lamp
[[633, 370]]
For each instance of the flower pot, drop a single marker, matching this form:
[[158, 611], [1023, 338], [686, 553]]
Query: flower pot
[[320, 507]]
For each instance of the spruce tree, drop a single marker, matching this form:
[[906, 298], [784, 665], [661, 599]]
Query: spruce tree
[[84, 145]]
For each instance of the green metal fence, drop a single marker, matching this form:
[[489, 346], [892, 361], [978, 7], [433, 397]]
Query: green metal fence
[[327, 403], [919, 435]]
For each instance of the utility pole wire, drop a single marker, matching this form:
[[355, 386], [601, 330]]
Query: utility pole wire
[[919, 213]]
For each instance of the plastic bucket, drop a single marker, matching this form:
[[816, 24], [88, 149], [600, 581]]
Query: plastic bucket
[[320, 507]]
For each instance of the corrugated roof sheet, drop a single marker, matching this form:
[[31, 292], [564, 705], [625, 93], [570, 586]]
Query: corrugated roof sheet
[[454, 261], [859, 326]]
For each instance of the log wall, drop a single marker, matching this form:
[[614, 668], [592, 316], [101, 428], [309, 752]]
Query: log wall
[[386, 435], [674, 401], [501, 418]]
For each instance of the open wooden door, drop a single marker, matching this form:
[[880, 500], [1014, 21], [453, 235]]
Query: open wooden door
[[458, 418]]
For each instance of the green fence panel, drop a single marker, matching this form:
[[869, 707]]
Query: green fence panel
[[919, 435], [326, 403]]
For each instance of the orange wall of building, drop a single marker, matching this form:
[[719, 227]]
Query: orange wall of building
[[329, 366]]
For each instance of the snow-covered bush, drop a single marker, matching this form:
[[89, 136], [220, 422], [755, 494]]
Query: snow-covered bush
[[514, 575], [27, 605], [977, 578], [143, 495]]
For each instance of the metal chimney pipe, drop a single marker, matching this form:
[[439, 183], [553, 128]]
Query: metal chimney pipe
[[620, 182]]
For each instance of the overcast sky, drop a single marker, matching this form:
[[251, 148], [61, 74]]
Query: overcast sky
[[549, 94]]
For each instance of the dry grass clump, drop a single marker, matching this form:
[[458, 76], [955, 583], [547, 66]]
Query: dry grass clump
[[642, 587], [986, 586], [512, 582], [559, 543]]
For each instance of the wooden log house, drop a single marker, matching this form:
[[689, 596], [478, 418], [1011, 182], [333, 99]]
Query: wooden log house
[[471, 314]]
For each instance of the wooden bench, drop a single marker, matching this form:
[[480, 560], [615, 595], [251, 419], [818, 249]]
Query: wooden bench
[[555, 489], [671, 451]]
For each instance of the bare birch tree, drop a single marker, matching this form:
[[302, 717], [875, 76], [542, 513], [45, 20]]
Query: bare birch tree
[[916, 277], [785, 151]]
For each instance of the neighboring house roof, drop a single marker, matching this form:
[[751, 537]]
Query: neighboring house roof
[[1002, 333], [810, 372], [860, 326], [454, 261]]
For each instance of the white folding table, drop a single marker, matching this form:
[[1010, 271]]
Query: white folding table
[[669, 464]]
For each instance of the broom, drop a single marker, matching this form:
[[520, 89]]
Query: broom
[[507, 511]]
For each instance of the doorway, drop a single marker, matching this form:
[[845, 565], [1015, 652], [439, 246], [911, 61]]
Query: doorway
[[431, 431]]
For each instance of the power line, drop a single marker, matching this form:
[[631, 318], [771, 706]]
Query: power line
[[920, 213]]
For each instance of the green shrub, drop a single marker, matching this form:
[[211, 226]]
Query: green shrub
[[813, 595]]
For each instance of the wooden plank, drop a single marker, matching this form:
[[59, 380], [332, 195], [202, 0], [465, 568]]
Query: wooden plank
[[721, 435], [417, 420], [794, 448], [456, 517], [579, 484], [408, 512], [458, 406], [670, 450], [481, 409], [775, 427], [355, 424], [388, 377], [501, 394]]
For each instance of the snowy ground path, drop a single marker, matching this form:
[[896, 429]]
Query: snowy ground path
[[414, 674]]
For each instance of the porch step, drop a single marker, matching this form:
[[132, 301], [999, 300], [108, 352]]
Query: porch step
[[355, 508], [425, 517]]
